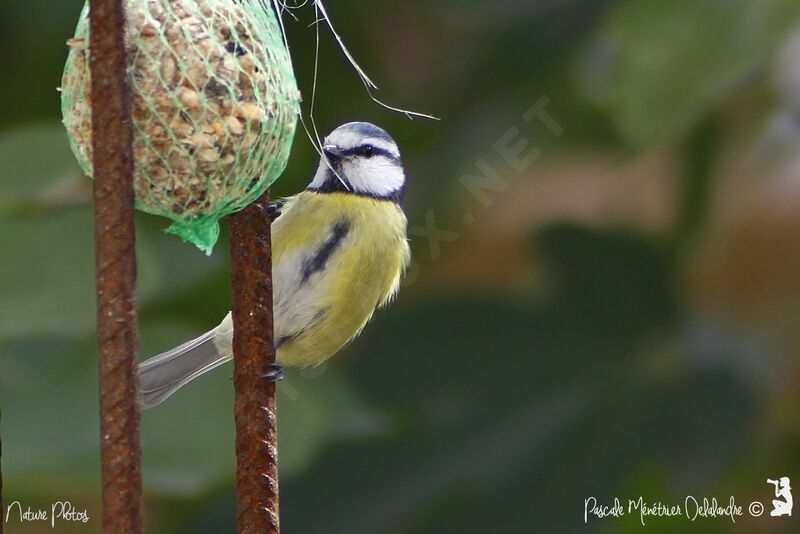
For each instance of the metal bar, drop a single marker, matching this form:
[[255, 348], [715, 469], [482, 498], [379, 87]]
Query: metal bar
[[254, 351], [120, 449]]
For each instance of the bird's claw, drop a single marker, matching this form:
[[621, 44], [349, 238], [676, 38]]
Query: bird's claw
[[275, 373]]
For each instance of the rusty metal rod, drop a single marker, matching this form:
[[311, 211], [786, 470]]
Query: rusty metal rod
[[254, 351], [115, 263]]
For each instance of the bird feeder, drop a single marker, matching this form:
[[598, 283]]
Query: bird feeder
[[213, 107]]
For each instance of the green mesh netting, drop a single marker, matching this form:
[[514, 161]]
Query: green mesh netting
[[214, 105]]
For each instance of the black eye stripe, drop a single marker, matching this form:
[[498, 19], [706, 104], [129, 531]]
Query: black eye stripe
[[376, 151]]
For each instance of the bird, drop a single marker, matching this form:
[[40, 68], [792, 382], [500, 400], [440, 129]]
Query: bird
[[340, 250]]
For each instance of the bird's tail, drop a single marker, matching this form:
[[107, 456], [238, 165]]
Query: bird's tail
[[163, 375]]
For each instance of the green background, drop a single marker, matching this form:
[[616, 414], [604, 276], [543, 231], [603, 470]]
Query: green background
[[618, 317]]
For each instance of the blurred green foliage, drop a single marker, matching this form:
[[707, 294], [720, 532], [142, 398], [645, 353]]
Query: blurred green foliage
[[675, 59], [489, 404]]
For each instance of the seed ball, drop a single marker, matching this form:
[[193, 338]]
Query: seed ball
[[203, 86]]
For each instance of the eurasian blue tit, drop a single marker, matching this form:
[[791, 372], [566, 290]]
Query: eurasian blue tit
[[339, 252]]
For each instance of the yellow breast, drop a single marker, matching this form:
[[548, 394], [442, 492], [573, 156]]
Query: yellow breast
[[336, 258]]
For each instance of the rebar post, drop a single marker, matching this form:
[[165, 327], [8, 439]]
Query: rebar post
[[254, 353], [115, 263]]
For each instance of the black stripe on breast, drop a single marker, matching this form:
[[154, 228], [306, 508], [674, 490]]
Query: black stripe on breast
[[317, 262]]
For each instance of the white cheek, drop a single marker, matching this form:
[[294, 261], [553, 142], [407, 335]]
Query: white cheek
[[377, 176]]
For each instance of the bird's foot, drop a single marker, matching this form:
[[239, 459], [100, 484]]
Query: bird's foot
[[275, 373]]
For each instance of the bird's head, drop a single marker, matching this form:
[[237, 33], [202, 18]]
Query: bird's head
[[360, 158]]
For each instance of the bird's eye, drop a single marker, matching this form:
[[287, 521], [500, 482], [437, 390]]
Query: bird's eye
[[369, 151]]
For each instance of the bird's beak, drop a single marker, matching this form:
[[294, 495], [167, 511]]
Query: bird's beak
[[332, 152]]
